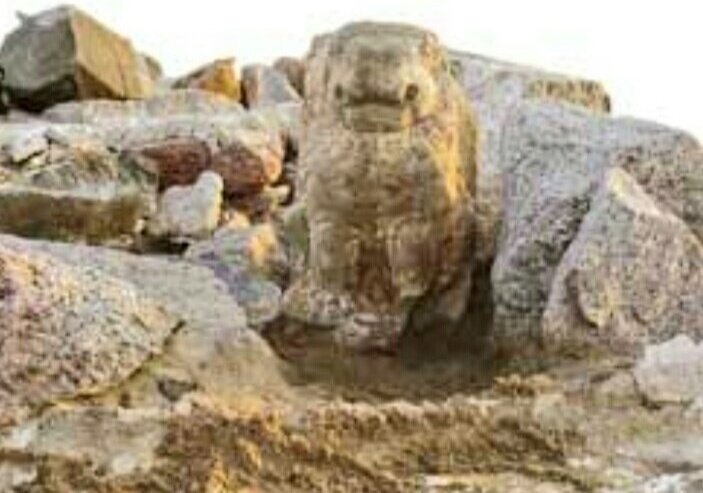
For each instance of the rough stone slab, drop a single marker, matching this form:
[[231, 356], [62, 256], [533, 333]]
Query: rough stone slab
[[633, 275], [494, 87], [555, 157], [68, 330]]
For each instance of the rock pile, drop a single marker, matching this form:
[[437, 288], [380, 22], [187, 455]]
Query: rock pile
[[379, 193]]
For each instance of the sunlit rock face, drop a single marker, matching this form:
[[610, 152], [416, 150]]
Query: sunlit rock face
[[387, 169]]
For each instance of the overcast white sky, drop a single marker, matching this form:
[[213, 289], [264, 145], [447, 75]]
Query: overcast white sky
[[647, 52]]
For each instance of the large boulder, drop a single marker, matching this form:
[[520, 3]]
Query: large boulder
[[633, 275], [64, 54], [388, 154], [219, 77], [212, 350], [555, 157], [265, 86], [108, 368], [494, 87], [64, 183], [68, 330]]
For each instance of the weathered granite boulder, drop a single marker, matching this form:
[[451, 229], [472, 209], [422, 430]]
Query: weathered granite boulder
[[632, 276], [64, 54], [64, 183], [68, 331], [294, 70], [252, 262], [219, 77], [388, 151], [555, 157], [265, 86], [212, 350], [186, 213], [494, 87]]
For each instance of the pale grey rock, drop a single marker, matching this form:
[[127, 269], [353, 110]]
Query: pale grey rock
[[26, 146], [189, 212], [632, 275], [494, 87], [250, 261], [265, 86], [68, 330], [555, 157], [671, 372]]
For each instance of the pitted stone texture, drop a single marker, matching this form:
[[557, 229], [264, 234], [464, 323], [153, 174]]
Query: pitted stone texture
[[494, 87], [213, 351], [388, 164], [190, 212], [555, 157], [633, 275], [68, 330]]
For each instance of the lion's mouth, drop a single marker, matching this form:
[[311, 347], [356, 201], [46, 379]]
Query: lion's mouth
[[375, 117]]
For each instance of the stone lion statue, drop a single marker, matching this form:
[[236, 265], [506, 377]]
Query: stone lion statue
[[387, 171]]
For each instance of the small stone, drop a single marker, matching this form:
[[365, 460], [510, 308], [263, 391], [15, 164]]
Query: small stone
[[189, 212], [671, 372], [219, 77]]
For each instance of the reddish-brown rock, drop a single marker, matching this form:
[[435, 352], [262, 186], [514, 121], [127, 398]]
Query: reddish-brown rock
[[179, 161], [247, 167]]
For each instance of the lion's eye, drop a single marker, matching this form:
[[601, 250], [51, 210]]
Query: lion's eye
[[412, 92]]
